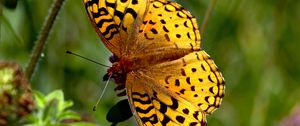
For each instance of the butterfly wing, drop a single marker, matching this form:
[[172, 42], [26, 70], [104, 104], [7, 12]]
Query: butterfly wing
[[178, 84], [143, 26], [167, 28], [178, 92], [115, 20]]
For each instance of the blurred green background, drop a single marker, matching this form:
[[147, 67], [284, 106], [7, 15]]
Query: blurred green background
[[255, 44]]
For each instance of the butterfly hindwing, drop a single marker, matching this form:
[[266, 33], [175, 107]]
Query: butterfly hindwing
[[154, 107], [177, 90], [193, 77]]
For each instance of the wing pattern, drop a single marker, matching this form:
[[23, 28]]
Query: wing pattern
[[171, 80], [114, 20], [178, 92]]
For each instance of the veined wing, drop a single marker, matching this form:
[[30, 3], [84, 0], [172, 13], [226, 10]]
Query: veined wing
[[115, 20], [176, 92]]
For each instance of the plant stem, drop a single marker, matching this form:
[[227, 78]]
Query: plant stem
[[43, 36], [207, 15]]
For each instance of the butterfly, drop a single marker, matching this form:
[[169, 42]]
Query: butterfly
[[157, 60]]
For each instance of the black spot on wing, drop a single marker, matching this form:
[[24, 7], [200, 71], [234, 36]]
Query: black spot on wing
[[186, 111], [140, 95], [183, 72], [192, 47], [188, 80], [131, 12], [203, 68], [179, 15], [167, 37], [185, 24], [154, 31], [101, 12], [193, 88], [194, 124], [163, 107], [134, 2], [165, 120], [180, 119], [152, 23], [112, 35], [148, 101], [119, 14], [101, 22], [167, 79], [197, 55], [209, 78], [152, 119], [194, 69], [163, 21], [174, 104], [195, 115], [165, 29], [188, 35], [206, 99], [211, 90], [144, 111], [177, 82], [124, 28], [110, 27], [182, 91], [112, 5]]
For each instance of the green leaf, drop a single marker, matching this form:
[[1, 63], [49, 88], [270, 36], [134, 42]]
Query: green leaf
[[57, 94], [39, 99], [52, 111], [66, 104], [68, 114]]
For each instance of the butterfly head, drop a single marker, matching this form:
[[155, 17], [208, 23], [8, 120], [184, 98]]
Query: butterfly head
[[121, 66]]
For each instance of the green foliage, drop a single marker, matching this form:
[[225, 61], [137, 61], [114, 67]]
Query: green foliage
[[53, 110]]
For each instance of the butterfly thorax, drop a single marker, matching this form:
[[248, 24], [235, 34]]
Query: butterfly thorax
[[122, 66], [118, 71]]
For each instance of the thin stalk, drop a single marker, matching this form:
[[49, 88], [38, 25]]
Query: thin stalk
[[207, 15], [1, 14], [43, 36]]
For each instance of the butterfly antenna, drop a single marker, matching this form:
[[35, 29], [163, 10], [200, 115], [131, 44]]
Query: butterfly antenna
[[103, 91], [69, 52]]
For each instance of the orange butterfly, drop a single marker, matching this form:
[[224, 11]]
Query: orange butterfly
[[168, 78]]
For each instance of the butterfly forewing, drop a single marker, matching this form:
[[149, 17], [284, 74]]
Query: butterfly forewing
[[114, 20], [169, 24]]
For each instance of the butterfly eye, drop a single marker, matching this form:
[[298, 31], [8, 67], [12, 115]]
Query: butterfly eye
[[113, 58], [105, 77]]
